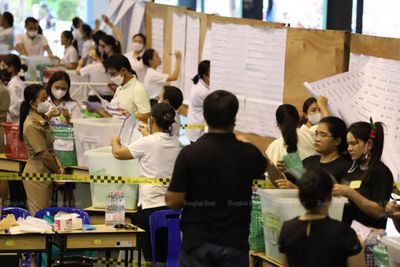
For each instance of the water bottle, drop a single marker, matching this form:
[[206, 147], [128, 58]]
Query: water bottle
[[109, 214], [120, 216]]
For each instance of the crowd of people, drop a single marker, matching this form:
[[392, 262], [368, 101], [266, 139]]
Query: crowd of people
[[211, 179]]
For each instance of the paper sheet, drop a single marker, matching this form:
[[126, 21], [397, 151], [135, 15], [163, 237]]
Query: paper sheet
[[126, 5], [157, 38], [206, 52], [178, 43], [191, 55]]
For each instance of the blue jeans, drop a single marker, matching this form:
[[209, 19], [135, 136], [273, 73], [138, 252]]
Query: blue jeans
[[214, 255]]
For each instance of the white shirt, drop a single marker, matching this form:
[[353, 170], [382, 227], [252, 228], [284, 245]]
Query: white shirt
[[154, 82], [305, 146], [73, 110], [195, 113], [70, 55], [157, 154], [16, 89], [7, 37], [78, 39], [97, 74], [86, 46], [137, 66], [35, 46], [132, 97]]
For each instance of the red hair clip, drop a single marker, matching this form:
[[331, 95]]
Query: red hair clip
[[372, 134]]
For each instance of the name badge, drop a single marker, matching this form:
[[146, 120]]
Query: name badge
[[355, 184]]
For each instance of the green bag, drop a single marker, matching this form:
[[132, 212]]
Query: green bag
[[256, 236]]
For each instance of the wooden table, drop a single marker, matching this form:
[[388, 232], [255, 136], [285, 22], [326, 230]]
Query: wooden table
[[103, 238], [256, 257], [97, 215], [29, 242], [11, 165]]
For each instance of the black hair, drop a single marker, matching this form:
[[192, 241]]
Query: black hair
[[288, 121], [9, 18], [140, 35], [76, 21], [118, 62], [306, 105], [164, 115], [68, 35], [5, 76], [147, 56], [362, 130], [59, 76], [87, 30], [315, 187], [220, 109], [40, 30], [31, 93], [31, 20], [110, 40], [173, 95], [14, 61], [97, 35], [202, 70], [338, 129]]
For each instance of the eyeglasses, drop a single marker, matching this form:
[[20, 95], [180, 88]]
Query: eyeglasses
[[321, 134], [125, 226]]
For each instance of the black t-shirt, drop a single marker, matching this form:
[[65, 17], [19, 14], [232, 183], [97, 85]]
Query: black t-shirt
[[216, 173], [376, 187], [337, 168], [328, 245]]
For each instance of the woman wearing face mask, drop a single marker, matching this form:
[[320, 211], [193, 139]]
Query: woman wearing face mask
[[369, 182], [37, 134], [156, 152], [313, 111], [135, 56], [63, 108], [154, 81], [108, 46], [12, 64], [31, 43], [198, 93], [130, 95]]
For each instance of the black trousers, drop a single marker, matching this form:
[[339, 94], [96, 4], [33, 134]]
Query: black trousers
[[142, 221]]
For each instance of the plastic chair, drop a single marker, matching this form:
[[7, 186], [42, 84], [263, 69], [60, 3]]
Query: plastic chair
[[53, 211], [169, 219], [17, 212]]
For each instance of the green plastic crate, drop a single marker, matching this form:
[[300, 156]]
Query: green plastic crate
[[64, 145], [256, 236]]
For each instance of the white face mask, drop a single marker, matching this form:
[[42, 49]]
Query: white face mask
[[32, 34], [43, 107], [117, 79], [137, 47], [58, 93], [77, 34], [315, 118]]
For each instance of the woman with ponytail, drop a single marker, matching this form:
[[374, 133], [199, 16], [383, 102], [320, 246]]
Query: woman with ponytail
[[314, 239], [156, 152], [37, 134], [12, 64], [293, 139], [369, 182], [198, 93]]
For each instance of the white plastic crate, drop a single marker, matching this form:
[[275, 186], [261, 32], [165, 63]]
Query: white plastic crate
[[92, 133], [102, 162], [393, 247], [280, 205]]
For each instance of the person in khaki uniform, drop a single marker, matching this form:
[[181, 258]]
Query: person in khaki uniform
[[38, 137], [4, 106]]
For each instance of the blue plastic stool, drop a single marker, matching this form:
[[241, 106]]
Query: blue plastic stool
[[53, 211], [19, 213], [169, 219]]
